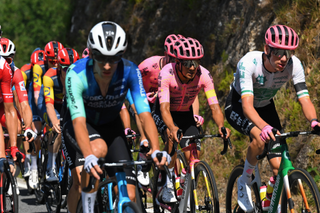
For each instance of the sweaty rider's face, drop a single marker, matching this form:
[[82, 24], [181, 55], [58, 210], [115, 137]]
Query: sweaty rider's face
[[278, 62], [189, 70]]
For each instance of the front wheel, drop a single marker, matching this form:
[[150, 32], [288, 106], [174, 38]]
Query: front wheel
[[204, 197], [10, 198], [232, 193], [53, 199], [130, 207], [304, 193]]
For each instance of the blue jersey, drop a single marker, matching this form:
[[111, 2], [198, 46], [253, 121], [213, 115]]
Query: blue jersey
[[84, 96]]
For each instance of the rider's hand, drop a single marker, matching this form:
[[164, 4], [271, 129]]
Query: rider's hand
[[14, 150], [56, 127], [228, 133], [266, 132], [33, 135], [151, 96], [315, 123], [129, 131], [173, 134], [199, 120], [165, 158], [91, 166]]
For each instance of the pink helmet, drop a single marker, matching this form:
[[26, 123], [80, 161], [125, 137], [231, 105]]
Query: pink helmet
[[188, 48], [85, 53], [282, 37], [169, 42]]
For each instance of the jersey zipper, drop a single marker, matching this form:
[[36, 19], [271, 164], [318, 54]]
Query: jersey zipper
[[184, 93]]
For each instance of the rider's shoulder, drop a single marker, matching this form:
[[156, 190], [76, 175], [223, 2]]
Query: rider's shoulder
[[26, 67], [150, 61], [51, 72], [81, 65]]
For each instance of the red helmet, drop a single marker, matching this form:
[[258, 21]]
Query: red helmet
[[169, 42], [38, 55], [52, 48], [67, 56], [282, 37], [7, 47], [188, 49]]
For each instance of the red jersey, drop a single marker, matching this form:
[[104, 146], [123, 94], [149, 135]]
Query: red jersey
[[6, 94]]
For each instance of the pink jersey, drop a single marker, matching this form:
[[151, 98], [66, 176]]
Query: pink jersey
[[181, 96], [150, 69]]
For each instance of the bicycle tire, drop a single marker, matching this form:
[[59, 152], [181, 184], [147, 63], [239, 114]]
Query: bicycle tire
[[210, 204], [305, 177], [53, 199], [10, 198], [130, 207], [232, 190], [38, 192], [139, 199], [155, 185]]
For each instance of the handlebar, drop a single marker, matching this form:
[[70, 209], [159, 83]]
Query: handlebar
[[288, 135]]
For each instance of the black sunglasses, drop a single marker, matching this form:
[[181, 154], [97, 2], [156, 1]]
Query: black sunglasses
[[281, 52], [103, 59], [190, 63]]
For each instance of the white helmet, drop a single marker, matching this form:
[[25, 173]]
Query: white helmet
[[7, 47], [107, 38]]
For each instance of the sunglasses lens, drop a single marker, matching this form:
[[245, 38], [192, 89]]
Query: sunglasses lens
[[107, 59], [190, 63], [280, 53]]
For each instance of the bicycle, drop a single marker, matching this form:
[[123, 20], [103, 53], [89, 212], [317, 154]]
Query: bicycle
[[107, 200], [295, 197], [9, 201], [47, 193], [198, 174]]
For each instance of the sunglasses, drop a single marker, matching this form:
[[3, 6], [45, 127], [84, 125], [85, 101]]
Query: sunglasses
[[281, 52], [190, 63], [102, 59], [64, 67]]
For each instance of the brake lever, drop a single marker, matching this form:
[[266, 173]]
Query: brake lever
[[226, 141], [159, 157]]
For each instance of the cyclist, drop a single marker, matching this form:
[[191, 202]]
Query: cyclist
[[53, 90], [26, 70], [7, 51], [95, 89], [250, 108], [179, 85], [40, 68]]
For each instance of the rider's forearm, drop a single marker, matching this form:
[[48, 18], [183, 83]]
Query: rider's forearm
[[308, 108], [26, 114], [150, 129], [125, 117], [217, 115], [250, 112], [166, 115], [16, 101], [52, 113], [82, 135], [2, 146], [195, 106], [11, 122]]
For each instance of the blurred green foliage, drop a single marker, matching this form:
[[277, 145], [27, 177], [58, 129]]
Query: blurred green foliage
[[33, 23]]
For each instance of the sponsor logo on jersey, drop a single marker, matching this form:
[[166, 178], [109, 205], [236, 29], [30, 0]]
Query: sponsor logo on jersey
[[22, 87], [46, 91], [73, 102], [142, 91]]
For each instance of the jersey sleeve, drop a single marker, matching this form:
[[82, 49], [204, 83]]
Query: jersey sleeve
[[25, 77], [129, 97], [137, 90], [299, 80], [19, 86], [209, 88], [74, 90], [6, 83], [246, 83], [37, 81], [48, 89], [164, 86]]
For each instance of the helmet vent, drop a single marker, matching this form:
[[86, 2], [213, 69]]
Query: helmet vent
[[4, 47], [10, 47], [193, 51], [100, 40], [91, 38], [125, 41], [118, 43]]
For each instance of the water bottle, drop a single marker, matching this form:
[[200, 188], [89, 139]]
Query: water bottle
[[183, 176], [271, 183]]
